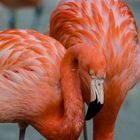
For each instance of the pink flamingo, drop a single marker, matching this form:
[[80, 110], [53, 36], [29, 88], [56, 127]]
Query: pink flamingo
[[40, 88], [108, 25]]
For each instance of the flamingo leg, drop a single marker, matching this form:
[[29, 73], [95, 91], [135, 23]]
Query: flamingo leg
[[85, 128], [22, 133], [12, 21], [38, 12]]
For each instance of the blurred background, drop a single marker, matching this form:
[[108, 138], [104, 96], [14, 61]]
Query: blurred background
[[37, 16]]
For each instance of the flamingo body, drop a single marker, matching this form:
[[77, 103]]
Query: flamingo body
[[41, 86], [108, 25], [30, 69]]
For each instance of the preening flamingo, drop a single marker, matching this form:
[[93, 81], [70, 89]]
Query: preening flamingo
[[110, 25], [40, 88], [13, 5]]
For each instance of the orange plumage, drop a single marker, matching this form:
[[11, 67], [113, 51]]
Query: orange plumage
[[41, 86], [108, 25], [30, 69]]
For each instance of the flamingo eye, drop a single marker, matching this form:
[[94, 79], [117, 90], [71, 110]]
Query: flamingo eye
[[91, 72]]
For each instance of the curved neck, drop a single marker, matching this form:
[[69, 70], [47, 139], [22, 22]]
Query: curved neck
[[70, 123]]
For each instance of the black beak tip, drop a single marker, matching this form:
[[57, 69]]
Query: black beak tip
[[93, 108]]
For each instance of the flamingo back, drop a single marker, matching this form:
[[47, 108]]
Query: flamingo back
[[108, 24], [29, 72]]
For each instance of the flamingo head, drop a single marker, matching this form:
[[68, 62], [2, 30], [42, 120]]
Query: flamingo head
[[93, 74]]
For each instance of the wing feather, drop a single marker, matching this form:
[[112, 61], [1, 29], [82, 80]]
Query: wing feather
[[108, 24]]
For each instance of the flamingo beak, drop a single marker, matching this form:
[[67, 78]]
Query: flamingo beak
[[97, 98]]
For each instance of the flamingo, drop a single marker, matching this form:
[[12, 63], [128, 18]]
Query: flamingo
[[109, 25], [13, 5], [40, 84]]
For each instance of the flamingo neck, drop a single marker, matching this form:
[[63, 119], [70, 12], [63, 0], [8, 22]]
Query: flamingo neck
[[104, 123], [104, 131], [69, 124]]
